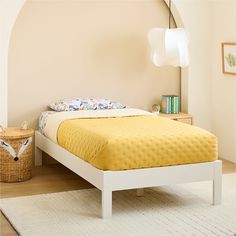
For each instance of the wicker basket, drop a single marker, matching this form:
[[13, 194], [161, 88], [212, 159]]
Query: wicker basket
[[15, 155]]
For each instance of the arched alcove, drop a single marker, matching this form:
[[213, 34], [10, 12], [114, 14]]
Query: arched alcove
[[18, 6]]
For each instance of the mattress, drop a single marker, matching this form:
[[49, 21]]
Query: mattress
[[130, 140]]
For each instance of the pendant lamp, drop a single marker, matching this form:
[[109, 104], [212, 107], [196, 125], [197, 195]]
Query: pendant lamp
[[169, 46]]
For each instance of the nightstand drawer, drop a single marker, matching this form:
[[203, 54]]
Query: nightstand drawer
[[180, 117], [185, 120]]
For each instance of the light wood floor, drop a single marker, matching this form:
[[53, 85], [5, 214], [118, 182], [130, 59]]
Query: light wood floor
[[53, 178]]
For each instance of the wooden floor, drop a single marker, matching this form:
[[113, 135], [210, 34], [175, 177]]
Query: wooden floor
[[53, 178]]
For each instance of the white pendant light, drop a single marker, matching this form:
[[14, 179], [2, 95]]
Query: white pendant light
[[169, 46]]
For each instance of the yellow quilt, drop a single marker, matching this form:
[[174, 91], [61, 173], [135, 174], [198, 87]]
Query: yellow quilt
[[136, 142]]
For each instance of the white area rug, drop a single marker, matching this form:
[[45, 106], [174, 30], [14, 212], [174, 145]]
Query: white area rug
[[174, 210]]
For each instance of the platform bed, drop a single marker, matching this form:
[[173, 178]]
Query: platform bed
[[108, 181]]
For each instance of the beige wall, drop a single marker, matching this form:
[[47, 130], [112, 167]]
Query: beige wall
[[223, 86], [195, 15], [85, 48], [211, 94]]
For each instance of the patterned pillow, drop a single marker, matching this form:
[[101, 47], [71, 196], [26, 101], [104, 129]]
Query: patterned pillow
[[85, 104], [43, 120]]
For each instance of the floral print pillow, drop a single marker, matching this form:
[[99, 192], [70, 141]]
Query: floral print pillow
[[43, 120], [85, 104]]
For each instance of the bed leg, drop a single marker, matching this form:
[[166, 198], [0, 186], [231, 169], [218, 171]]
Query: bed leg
[[38, 156], [140, 192], [217, 183], [106, 204]]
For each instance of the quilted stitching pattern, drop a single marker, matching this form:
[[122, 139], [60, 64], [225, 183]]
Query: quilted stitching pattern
[[136, 142]]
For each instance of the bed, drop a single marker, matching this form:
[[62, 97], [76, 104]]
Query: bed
[[119, 149]]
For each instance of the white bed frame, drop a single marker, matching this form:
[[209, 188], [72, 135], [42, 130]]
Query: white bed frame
[[108, 181]]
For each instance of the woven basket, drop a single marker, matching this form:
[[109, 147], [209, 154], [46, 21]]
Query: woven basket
[[15, 155]]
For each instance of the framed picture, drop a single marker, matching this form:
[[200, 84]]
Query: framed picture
[[229, 58]]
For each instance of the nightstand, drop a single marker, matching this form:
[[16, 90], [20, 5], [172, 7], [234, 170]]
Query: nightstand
[[181, 117]]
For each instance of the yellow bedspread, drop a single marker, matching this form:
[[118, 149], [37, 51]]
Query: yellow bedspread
[[136, 142]]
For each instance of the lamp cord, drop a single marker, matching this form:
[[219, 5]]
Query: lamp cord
[[169, 14]]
